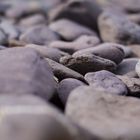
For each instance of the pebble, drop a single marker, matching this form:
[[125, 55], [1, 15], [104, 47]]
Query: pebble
[[109, 51], [25, 72], [82, 12], [66, 86], [133, 84], [126, 66], [136, 50], [10, 30], [83, 42], [40, 35], [62, 72], [42, 118], [48, 52], [118, 29], [106, 116], [107, 81], [87, 63], [70, 30]]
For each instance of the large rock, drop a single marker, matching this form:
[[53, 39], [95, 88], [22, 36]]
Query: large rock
[[117, 28], [23, 71], [30, 118], [109, 117]]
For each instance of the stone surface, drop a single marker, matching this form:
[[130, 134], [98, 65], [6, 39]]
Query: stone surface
[[33, 20], [107, 81], [66, 86], [10, 30], [70, 30], [109, 117], [48, 52], [133, 84], [40, 35], [3, 37], [88, 63], [62, 72], [135, 50], [117, 28], [111, 51], [24, 71], [83, 12], [80, 43], [137, 69], [43, 121], [126, 66]]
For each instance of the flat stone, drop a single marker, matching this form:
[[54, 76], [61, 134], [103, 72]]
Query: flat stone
[[107, 116], [24, 71], [48, 52], [133, 84], [88, 63], [106, 81], [62, 72], [82, 12], [72, 31], [40, 35], [117, 28], [111, 51], [80, 43]]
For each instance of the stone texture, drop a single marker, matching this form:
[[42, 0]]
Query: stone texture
[[107, 81], [66, 86], [109, 117], [133, 84], [40, 35], [111, 51], [88, 63], [117, 28], [80, 43], [126, 66], [70, 30], [43, 121], [48, 52], [24, 71], [33, 20], [137, 69], [10, 30], [62, 72], [135, 50], [83, 12]]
